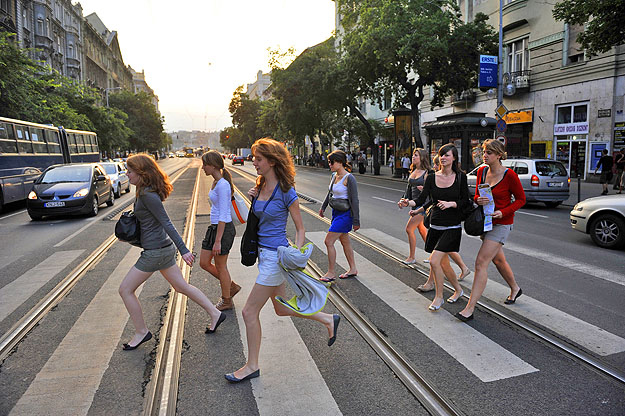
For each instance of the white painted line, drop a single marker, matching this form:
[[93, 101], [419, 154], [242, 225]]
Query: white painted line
[[487, 360], [22, 288], [90, 222], [380, 186], [70, 378], [385, 200], [290, 382], [587, 335], [15, 213], [533, 215]]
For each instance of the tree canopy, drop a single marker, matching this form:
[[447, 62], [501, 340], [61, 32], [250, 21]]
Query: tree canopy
[[144, 121]]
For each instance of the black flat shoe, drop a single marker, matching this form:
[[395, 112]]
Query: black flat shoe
[[463, 318], [147, 337], [511, 301], [337, 319], [231, 378], [222, 318]]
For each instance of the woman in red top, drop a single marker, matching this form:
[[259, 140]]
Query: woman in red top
[[507, 184]]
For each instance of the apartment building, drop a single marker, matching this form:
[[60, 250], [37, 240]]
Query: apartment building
[[259, 89]]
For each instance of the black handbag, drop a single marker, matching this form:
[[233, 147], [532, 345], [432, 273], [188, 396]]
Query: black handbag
[[339, 204], [473, 216], [128, 228], [428, 216], [249, 242]]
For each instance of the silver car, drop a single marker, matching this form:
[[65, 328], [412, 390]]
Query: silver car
[[603, 217], [543, 180], [117, 172]]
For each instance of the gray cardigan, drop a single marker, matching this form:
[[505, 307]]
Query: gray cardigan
[[352, 196], [157, 231]]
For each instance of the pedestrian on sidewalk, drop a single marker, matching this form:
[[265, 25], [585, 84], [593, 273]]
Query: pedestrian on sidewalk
[[362, 163], [619, 181], [405, 166], [273, 199], [159, 240], [449, 193], [506, 185], [606, 163], [343, 199], [391, 163], [221, 232]]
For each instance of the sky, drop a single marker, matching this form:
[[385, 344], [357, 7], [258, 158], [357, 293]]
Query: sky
[[196, 53]]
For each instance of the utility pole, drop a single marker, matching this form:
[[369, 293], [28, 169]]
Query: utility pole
[[500, 64]]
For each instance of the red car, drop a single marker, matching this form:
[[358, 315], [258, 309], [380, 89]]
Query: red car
[[238, 160]]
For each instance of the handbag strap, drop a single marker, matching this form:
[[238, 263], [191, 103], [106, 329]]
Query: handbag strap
[[270, 198]]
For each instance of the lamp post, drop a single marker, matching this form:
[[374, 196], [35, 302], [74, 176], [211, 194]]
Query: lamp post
[[106, 90], [500, 69]]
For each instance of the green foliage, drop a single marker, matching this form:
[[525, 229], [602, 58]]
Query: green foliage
[[144, 121], [603, 20], [245, 117]]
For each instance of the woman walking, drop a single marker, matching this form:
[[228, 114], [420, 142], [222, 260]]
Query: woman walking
[[220, 234], [159, 240], [449, 193], [343, 187], [418, 172], [506, 185], [273, 199]]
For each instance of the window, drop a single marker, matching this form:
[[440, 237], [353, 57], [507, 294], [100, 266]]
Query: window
[[7, 139], [521, 168], [38, 139], [53, 141], [24, 144], [4, 5], [40, 26], [71, 141], [572, 113], [70, 51], [518, 56]]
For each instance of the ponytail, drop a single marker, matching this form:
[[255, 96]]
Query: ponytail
[[227, 176]]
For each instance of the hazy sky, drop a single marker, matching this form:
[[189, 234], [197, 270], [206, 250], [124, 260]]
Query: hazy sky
[[196, 53]]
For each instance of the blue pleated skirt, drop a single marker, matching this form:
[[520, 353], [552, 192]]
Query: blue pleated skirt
[[341, 221]]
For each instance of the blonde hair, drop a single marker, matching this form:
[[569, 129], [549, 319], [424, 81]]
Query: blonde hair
[[150, 175], [424, 159], [496, 147], [276, 152], [437, 162], [213, 158]]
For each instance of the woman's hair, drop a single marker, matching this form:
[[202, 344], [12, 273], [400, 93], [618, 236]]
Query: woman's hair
[[436, 163], [454, 151], [213, 158], [150, 175], [496, 147], [340, 157], [424, 159], [276, 152]]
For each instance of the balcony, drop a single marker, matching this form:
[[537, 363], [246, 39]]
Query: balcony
[[43, 42], [520, 79], [463, 97]]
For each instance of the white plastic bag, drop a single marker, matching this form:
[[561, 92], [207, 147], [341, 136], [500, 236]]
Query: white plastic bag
[[238, 209]]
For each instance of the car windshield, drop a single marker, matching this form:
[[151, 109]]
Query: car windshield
[[67, 174], [110, 168], [547, 168]]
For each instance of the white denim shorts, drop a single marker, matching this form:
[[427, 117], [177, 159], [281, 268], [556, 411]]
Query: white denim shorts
[[269, 271], [499, 233]]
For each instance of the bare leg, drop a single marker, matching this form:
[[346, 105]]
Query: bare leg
[[422, 230], [411, 226], [134, 278], [206, 262], [487, 253], [435, 264], [324, 318], [221, 264], [464, 270], [505, 271], [349, 252], [329, 241]]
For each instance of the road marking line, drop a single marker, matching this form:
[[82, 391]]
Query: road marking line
[[385, 200], [22, 288], [383, 187], [15, 213], [70, 378], [90, 222], [589, 336], [533, 215], [487, 360], [290, 382]]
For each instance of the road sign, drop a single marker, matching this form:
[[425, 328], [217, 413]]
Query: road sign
[[502, 139], [488, 71], [501, 110], [501, 125]]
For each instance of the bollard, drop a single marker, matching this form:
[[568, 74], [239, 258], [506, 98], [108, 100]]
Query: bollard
[[579, 187]]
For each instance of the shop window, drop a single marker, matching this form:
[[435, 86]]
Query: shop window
[[572, 113]]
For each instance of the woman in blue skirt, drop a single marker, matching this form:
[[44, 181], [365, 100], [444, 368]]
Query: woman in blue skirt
[[343, 198]]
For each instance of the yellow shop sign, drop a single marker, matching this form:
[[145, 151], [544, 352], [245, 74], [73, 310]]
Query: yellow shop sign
[[519, 117]]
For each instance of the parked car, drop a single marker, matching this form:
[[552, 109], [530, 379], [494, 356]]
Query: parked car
[[543, 180], [70, 189], [116, 171], [238, 160], [602, 217], [250, 157], [16, 183]]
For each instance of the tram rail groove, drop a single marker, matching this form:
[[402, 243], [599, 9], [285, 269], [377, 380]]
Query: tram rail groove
[[545, 337]]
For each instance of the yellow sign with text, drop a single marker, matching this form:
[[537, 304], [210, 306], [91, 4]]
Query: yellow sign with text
[[519, 117]]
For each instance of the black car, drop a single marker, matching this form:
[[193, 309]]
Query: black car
[[70, 189]]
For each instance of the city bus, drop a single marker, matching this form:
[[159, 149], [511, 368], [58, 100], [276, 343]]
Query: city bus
[[23, 143]]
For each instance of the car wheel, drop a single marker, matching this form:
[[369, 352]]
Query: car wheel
[[128, 189], [35, 217], [94, 207], [118, 192], [552, 204], [608, 231], [111, 200]]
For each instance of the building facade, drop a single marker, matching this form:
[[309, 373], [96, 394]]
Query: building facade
[[259, 88], [140, 84]]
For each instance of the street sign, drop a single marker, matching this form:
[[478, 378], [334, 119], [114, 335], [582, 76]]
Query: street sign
[[501, 110], [502, 139], [488, 71], [501, 125]]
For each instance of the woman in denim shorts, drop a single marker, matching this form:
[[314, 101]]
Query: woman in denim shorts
[[159, 240], [506, 184], [274, 198]]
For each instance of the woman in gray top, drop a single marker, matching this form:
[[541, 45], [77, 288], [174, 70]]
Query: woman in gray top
[[159, 240]]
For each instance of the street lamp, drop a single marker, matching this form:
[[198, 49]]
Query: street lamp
[[106, 90]]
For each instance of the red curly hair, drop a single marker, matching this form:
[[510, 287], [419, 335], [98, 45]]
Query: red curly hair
[[150, 174]]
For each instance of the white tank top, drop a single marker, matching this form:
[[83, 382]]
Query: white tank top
[[339, 190]]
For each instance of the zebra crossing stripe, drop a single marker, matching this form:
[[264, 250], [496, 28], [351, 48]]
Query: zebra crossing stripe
[[587, 335], [487, 360]]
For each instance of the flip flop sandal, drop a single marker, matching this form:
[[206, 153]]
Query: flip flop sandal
[[346, 275], [327, 279]]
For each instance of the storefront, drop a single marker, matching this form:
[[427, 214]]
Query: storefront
[[518, 132], [571, 139], [467, 131]]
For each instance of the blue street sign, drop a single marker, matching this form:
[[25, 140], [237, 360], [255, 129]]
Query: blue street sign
[[501, 125], [488, 71]]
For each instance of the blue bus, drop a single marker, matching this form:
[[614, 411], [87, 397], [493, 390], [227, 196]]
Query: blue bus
[[23, 143]]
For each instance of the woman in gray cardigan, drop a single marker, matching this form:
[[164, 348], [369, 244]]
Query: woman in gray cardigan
[[345, 214]]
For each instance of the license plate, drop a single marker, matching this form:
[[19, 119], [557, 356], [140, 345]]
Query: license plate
[[54, 204], [556, 184]]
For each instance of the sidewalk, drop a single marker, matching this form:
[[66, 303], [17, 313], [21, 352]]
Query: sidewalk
[[588, 189]]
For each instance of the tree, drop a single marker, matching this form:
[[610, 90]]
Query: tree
[[603, 19], [245, 116], [144, 121], [402, 46]]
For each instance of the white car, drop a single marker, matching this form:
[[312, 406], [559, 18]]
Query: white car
[[119, 178], [602, 217]]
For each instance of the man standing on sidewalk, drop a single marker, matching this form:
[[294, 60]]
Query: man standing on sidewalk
[[606, 163], [405, 165], [619, 181]]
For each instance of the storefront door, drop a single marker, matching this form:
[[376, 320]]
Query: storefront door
[[572, 154]]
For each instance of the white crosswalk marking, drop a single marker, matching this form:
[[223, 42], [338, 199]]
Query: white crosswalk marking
[[587, 335], [487, 360], [22, 288], [70, 378], [290, 382]]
